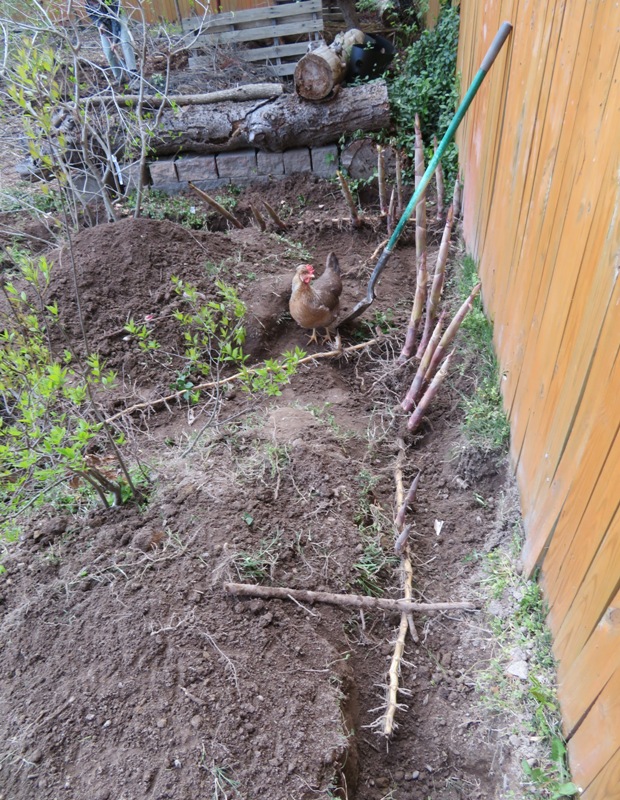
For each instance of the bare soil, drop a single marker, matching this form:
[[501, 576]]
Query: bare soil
[[127, 672]]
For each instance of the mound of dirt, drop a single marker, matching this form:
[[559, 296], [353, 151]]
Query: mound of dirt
[[126, 671]]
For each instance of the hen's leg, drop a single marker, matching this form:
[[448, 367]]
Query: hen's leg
[[313, 339]]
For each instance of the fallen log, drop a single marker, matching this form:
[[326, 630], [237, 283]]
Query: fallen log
[[272, 125], [346, 600]]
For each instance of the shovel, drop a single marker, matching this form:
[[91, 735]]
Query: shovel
[[487, 61]]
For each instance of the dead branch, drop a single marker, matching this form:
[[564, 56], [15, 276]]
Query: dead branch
[[258, 91], [356, 601]]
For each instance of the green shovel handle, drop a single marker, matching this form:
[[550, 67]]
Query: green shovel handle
[[496, 45]]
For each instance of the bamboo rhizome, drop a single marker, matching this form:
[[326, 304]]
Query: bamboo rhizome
[[416, 418], [451, 331], [417, 384], [383, 206], [275, 217], [348, 196], [456, 198], [432, 306], [420, 249], [216, 206], [439, 181]]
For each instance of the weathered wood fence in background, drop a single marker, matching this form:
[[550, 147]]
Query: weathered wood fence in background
[[540, 153], [177, 10], [302, 20]]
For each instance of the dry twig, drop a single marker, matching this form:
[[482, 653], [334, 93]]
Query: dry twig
[[342, 600]]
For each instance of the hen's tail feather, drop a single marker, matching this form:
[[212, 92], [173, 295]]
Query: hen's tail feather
[[332, 263]]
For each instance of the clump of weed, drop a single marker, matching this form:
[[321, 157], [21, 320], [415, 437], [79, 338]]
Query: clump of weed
[[374, 563], [159, 205], [52, 431], [259, 564]]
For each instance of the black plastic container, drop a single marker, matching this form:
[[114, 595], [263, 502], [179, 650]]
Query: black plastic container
[[371, 59]]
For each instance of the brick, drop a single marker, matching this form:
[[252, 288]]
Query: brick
[[297, 160], [215, 183], [270, 163], [196, 168], [171, 188], [324, 161], [241, 164], [163, 172]]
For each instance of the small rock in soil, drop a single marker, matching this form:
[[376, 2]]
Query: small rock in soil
[[518, 669]]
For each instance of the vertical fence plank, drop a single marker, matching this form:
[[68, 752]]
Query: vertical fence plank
[[582, 683], [593, 141], [598, 738], [580, 425], [583, 361], [600, 583], [606, 785], [492, 110]]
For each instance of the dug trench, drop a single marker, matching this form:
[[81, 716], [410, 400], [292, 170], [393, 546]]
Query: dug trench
[[125, 669]]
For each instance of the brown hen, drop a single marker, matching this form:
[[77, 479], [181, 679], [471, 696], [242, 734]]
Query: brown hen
[[316, 305]]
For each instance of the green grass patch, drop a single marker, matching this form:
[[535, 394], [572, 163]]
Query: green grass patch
[[528, 706], [485, 421]]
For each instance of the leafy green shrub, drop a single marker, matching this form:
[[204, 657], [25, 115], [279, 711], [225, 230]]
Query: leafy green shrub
[[213, 338], [44, 199], [426, 84], [51, 429]]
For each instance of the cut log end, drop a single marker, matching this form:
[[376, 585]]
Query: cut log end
[[317, 74], [314, 80]]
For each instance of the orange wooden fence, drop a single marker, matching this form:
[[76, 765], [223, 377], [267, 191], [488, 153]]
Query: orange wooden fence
[[540, 155]]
